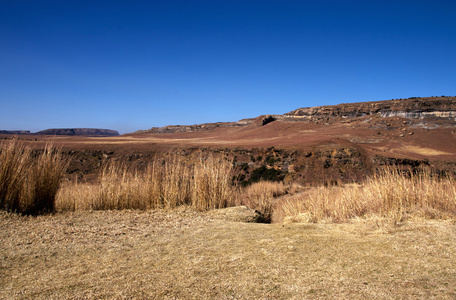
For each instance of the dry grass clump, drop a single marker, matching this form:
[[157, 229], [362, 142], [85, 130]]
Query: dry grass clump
[[389, 194], [211, 184], [29, 182], [274, 188], [14, 162], [76, 196], [262, 195], [120, 188], [163, 184]]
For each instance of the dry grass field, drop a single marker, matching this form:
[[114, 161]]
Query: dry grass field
[[186, 254]]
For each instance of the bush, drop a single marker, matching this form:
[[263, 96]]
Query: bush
[[263, 173], [270, 160]]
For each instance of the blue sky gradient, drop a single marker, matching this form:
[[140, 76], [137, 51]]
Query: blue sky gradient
[[129, 65]]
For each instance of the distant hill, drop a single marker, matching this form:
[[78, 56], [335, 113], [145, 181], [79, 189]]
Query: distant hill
[[15, 132], [79, 132], [66, 131]]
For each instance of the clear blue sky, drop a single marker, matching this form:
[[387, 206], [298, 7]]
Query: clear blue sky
[[129, 65]]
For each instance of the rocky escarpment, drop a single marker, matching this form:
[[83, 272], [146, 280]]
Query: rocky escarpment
[[443, 108], [415, 108], [196, 127], [79, 132]]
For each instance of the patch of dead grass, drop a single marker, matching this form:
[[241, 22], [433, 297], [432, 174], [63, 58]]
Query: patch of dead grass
[[424, 150], [187, 255], [389, 195], [164, 183]]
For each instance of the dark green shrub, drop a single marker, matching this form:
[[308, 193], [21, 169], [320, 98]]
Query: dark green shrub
[[263, 173]]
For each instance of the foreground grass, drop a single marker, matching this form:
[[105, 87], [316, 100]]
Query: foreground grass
[[388, 194], [189, 255], [168, 182]]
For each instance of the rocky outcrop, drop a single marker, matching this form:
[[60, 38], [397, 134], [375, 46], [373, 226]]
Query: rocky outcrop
[[268, 119], [415, 108], [79, 132], [196, 127]]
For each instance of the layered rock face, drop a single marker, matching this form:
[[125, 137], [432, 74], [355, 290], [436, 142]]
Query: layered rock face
[[414, 108], [195, 128], [79, 132]]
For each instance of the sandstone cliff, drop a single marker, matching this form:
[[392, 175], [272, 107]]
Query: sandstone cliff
[[414, 108], [196, 127]]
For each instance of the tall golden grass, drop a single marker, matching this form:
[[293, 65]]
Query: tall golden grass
[[262, 196], [163, 184], [389, 195], [211, 185], [29, 182]]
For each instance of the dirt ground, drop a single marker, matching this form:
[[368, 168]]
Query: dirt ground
[[183, 254]]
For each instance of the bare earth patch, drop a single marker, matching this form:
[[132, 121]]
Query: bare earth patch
[[192, 255], [425, 151]]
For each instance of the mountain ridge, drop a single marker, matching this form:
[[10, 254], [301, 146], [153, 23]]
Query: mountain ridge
[[443, 107]]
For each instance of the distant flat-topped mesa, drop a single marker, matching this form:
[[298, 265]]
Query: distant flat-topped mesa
[[15, 132], [79, 132], [416, 108]]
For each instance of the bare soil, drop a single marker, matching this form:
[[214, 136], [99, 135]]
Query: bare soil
[[184, 254]]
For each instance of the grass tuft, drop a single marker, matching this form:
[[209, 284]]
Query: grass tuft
[[29, 182], [211, 184]]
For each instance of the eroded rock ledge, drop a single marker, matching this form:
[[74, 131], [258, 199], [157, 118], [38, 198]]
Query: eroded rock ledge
[[413, 108]]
